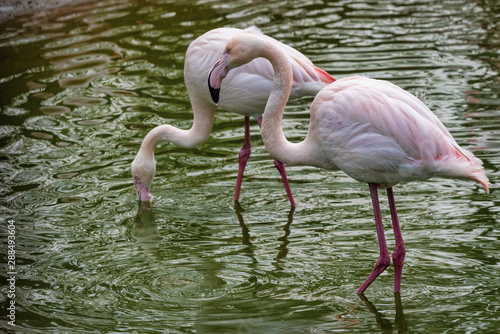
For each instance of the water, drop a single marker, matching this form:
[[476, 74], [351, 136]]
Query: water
[[80, 86]]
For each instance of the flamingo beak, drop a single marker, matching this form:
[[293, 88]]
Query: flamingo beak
[[217, 74], [143, 194]]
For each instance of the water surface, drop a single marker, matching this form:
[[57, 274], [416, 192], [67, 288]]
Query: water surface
[[80, 86]]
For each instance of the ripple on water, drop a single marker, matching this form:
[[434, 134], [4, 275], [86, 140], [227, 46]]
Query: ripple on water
[[85, 101], [54, 110]]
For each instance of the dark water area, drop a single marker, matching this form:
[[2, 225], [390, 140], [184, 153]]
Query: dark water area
[[80, 87]]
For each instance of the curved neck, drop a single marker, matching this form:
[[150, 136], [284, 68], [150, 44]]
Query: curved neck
[[272, 133], [203, 120]]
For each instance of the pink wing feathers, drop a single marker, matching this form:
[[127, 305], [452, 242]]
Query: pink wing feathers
[[379, 133]]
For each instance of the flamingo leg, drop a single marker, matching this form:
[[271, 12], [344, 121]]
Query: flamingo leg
[[281, 169], [399, 251], [384, 259], [243, 158]]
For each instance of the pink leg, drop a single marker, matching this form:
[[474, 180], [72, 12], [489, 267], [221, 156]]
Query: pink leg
[[281, 169], [384, 259], [399, 251], [243, 158]]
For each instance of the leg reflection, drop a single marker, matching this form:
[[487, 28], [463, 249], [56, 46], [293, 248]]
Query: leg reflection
[[282, 248], [400, 321], [244, 229], [384, 324]]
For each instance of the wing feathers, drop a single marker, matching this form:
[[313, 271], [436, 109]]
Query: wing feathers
[[377, 132]]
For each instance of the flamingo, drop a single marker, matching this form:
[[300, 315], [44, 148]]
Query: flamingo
[[372, 130], [242, 97]]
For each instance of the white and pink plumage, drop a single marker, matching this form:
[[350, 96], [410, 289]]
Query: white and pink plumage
[[246, 91], [372, 130]]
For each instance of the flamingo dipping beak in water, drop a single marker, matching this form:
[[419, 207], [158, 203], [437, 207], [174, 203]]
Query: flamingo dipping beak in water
[[239, 97]]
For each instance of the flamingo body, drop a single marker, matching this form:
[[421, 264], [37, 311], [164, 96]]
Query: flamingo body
[[377, 132], [240, 97], [372, 130]]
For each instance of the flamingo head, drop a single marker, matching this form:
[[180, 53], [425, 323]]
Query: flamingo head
[[240, 50], [143, 171]]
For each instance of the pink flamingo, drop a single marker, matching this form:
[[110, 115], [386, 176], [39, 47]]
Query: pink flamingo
[[247, 91], [372, 130]]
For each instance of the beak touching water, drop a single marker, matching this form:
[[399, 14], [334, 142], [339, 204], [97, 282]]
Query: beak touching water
[[143, 194], [217, 74]]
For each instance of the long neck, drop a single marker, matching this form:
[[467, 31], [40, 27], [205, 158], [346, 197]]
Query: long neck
[[197, 134], [272, 133]]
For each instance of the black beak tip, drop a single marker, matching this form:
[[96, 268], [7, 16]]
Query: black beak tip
[[214, 92]]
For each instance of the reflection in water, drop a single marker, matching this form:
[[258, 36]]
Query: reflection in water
[[384, 324], [282, 248], [238, 209], [145, 230], [251, 310]]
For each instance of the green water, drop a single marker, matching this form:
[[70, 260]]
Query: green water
[[81, 86]]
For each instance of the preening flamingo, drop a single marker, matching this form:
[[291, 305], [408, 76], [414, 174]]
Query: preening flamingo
[[247, 90], [372, 130]]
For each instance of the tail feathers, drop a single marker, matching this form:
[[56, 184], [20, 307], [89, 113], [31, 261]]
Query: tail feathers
[[312, 72], [464, 166], [477, 174], [324, 76], [484, 181]]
